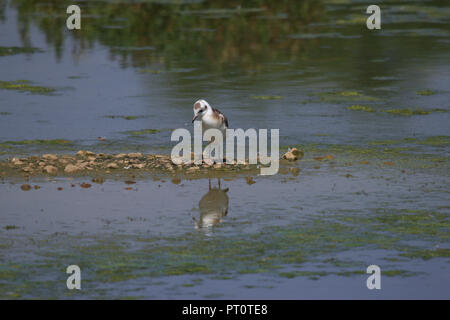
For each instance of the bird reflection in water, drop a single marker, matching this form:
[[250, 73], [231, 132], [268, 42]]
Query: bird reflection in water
[[213, 207]]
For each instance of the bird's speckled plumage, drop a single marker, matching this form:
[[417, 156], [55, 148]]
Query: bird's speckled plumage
[[210, 117]]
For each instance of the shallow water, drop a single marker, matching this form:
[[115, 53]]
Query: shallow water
[[382, 200]]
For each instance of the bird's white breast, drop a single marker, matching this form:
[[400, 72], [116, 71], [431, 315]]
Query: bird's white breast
[[210, 121]]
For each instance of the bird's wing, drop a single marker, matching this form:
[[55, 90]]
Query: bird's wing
[[225, 120]]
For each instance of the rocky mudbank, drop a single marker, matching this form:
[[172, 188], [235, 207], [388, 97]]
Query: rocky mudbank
[[88, 163]]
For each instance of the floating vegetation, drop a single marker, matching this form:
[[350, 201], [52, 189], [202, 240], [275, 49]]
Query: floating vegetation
[[361, 108], [24, 86], [427, 254], [8, 51], [344, 96], [426, 92], [402, 112], [143, 132], [125, 117], [11, 227], [4, 113], [435, 141], [267, 97], [352, 19], [37, 142], [150, 71], [277, 250], [407, 112]]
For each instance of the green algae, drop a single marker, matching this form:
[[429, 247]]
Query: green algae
[[50, 142], [352, 19], [11, 227], [4, 113], [407, 112], [8, 51], [267, 97], [143, 132], [427, 254], [398, 273], [344, 96], [150, 71], [23, 86], [125, 117], [361, 108], [402, 112], [435, 141], [269, 250], [426, 92]]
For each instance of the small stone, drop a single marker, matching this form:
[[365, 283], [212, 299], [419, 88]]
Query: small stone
[[16, 161], [191, 169], [70, 168], [250, 180], [85, 185], [49, 156], [218, 166], [120, 155], [139, 165], [25, 187], [290, 156], [208, 161], [85, 153], [51, 169], [293, 154], [112, 165], [41, 164], [298, 153], [135, 155], [27, 169]]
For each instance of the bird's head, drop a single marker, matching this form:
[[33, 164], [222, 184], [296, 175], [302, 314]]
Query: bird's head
[[200, 108]]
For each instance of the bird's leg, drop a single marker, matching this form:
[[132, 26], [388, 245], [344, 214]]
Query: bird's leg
[[218, 181], [209, 181]]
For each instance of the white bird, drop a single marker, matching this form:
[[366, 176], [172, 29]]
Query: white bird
[[210, 117]]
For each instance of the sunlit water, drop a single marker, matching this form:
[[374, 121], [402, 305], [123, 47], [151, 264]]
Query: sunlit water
[[310, 235]]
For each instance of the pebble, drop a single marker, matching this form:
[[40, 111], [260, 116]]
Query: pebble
[[49, 156], [135, 155], [84, 153], [25, 187], [112, 165], [51, 169], [70, 168]]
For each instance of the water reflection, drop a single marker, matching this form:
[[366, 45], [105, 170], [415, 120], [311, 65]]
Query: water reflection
[[213, 207], [215, 32]]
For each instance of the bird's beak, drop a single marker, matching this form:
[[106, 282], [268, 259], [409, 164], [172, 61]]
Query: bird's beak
[[195, 117]]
